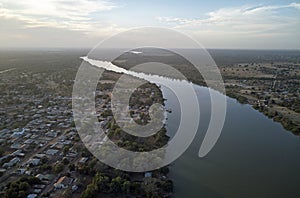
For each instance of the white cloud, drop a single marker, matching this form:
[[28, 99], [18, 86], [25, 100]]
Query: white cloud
[[70, 23], [74, 15], [54, 23], [245, 19], [265, 27]]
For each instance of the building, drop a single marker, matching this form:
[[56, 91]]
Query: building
[[32, 196], [47, 177], [33, 162], [18, 153], [83, 160], [148, 175], [63, 182], [11, 163], [51, 152]]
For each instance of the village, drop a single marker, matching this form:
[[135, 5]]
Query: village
[[272, 88], [42, 154]]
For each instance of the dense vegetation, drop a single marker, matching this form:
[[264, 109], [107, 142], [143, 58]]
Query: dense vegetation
[[20, 188]]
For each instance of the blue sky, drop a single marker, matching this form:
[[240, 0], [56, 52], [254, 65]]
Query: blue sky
[[271, 24], [190, 9]]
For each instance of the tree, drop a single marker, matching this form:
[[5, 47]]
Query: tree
[[126, 187], [45, 167], [23, 186], [116, 184], [20, 187], [71, 167], [101, 182], [58, 168], [11, 193], [89, 192], [67, 193], [66, 150], [65, 161], [22, 194], [33, 180], [168, 186], [93, 163], [136, 187], [44, 159], [1, 152]]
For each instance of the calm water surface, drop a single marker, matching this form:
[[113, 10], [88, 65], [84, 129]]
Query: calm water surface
[[254, 157]]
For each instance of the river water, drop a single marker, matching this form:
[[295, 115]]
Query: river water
[[254, 156]]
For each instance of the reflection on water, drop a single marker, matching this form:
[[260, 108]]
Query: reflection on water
[[254, 157]]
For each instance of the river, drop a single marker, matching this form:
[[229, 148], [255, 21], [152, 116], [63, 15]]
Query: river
[[254, 156]]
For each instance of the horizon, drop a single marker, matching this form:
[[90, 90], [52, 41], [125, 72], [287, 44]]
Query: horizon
[[90, 48], [250, 24]]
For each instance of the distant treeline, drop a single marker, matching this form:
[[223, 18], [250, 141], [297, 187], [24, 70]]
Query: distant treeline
[[230, 57]]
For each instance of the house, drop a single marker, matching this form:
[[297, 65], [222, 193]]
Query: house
[[72, 154], [4, 158], [43, 177], [74, 188], [37, 191], [18, 153], [32, 196], [62, 138], [2, 171], [57, 145], [34, 136], [51, 152], [39, 186], [67, 142], [21, 171], [148, 174], [40, 156], [28, 135], [83, 160], [63, 182], [17, 132], [28, 172], [16, 145], [33, 162], [4, 133], [11, 163], [2, 141], [29, 141], [51, 134]]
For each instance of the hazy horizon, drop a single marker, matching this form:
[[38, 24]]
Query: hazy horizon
[[251, 24], [90, 48]]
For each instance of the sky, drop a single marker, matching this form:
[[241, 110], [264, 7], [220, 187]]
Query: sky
[[230, 24]]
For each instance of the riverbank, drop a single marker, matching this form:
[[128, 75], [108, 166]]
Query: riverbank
[[113, 182], [289, 119], [268, 86]]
